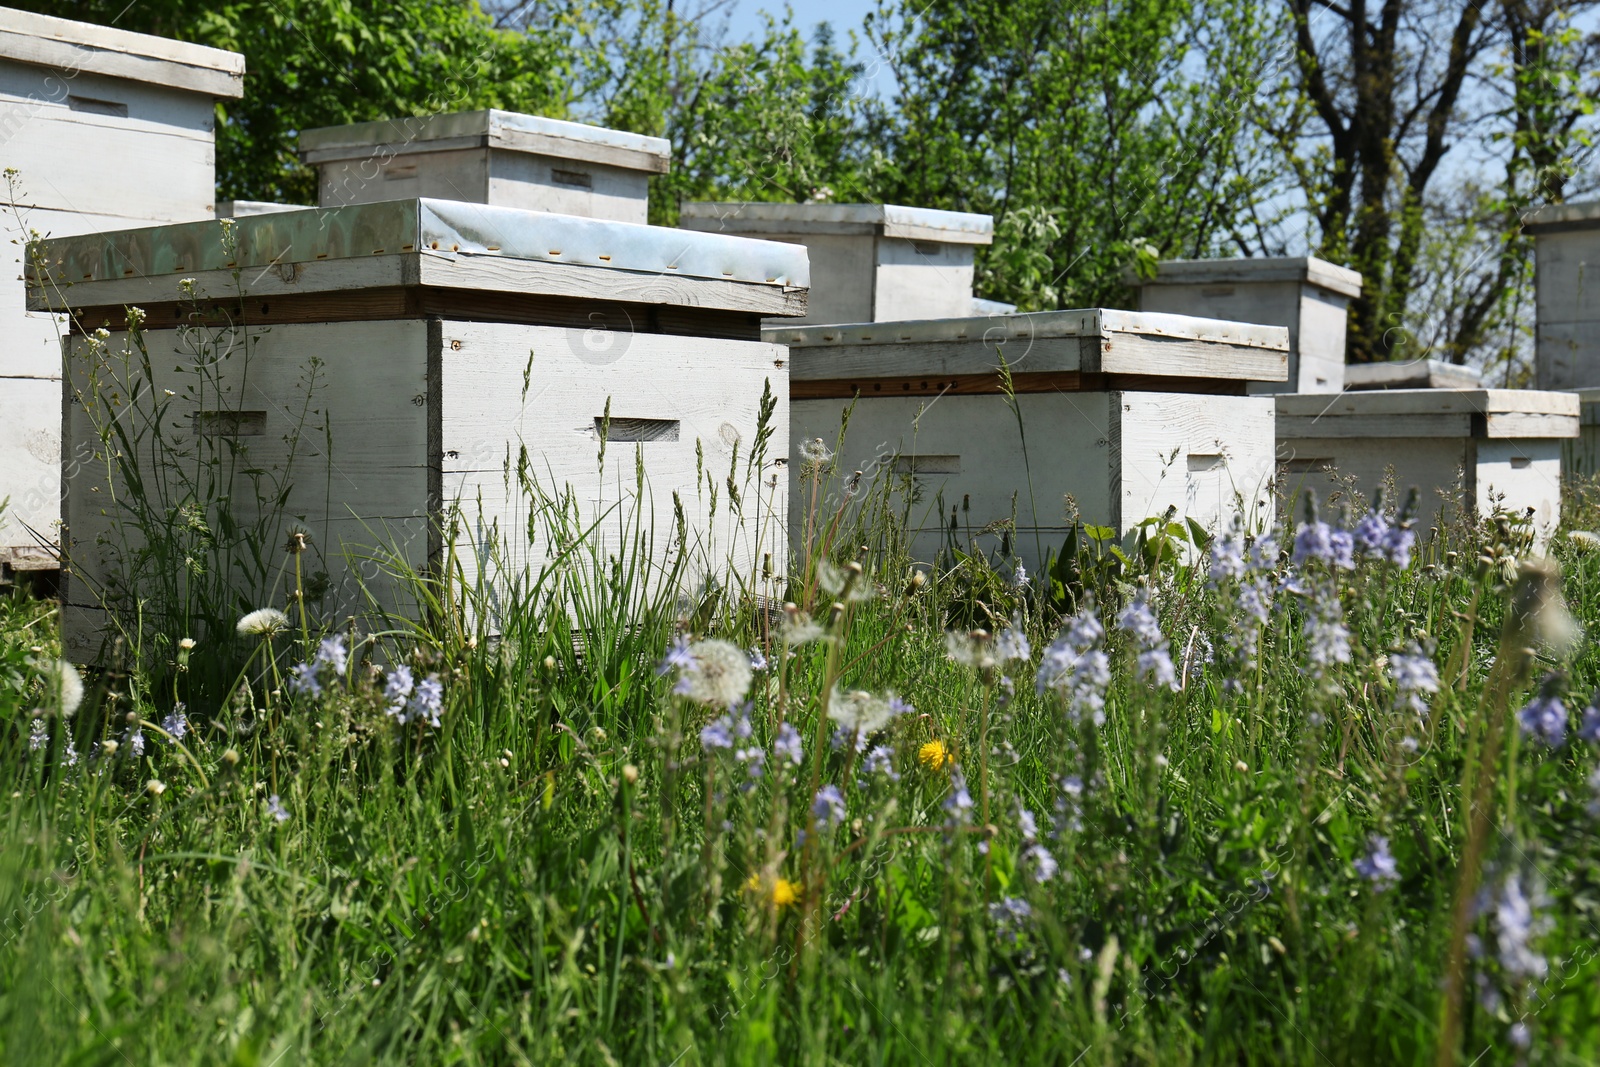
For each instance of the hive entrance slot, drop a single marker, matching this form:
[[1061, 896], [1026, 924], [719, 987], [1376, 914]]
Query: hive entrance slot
[[230, 423], [1521, 462], [90, 106], [1206, 461], [928, 465], [638, 429], [577, 179]]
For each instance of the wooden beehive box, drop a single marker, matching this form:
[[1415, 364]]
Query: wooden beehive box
[[1465, 449], [1566, 241], [446, 337], [1127, 412], [1411, 374], [1305, 294], [1580, 457], [106, 129], [870, 262], [501, 158]]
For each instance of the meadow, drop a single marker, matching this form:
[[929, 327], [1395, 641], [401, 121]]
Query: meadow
[[1324, 793]]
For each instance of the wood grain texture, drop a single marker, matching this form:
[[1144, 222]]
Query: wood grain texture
[[361, 480], [30, 461], [993, 384], [1299, 427], [78, 47], [711, 387]]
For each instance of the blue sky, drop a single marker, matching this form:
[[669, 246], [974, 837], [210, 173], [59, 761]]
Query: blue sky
[[744, 20]]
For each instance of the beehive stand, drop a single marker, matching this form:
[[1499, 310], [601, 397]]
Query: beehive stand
[[500, 158], [1465, 449], [427, 318], [1307, 295], [107, 129], [1130, 413], [869, 262]]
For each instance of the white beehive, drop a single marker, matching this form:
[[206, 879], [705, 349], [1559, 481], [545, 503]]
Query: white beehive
[[1129, 413], [1566, 240], [1580, 459], [1305, 294], [869, 262], [1411, 374], [449, 336], [1465, 448], [500, 158], [106, 129]]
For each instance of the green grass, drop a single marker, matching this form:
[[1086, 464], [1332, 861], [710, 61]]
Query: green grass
[[560, 872]]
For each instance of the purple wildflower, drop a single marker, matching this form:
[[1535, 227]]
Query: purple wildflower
[[829, 807], [789, 745], [1378, 866]]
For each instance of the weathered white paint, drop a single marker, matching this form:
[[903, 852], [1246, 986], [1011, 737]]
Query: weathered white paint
[[1479, 447], [1411, 374], [1121, 456], [489, 157], [108, 130], [1305, 294], [1567, 284], [871, 262]]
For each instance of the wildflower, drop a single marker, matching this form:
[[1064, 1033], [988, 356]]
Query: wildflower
[[1519, 1035], [1156, 665], [1589, 729], [155, 787], [69, 757], [880, 761], [717, 675], [1372, 534], [1154, 659], [38, 736], [1378, 866], [1342, 548], [136, 741], [1313, 541], [332, 655], [754, 760], [397, 692], [1414, 675], [678, 656], [1012, 644], [427, 700], [186, 644], [1264, 553], [1544, 718], [846, 583], [934, 756], [783, 893], [276, 809], [718, 733], [1009, 914], [798, 628], [758, 661], [814, 452], [828, 807], [788, 745], [303, 681], [1327, 638], [859, 712], [1515, 916], [1397, 546], [1019, 577], [263, 622], [1042, 864], [1227, 555], [958, 805]]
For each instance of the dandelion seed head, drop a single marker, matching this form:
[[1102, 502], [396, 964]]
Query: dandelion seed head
[[263, 622], [718, 674]]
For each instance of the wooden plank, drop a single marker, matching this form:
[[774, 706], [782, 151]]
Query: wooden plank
[[1440, 424], [30, 460], [1431, 401], [948, 359], [1521, 425], [992, 384], [70, 46], [921, 279], [1174, 358]]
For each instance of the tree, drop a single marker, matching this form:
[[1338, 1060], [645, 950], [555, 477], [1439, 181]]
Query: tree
[[1099, 135]]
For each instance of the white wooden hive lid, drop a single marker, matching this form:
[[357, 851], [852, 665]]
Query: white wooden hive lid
[[443, 228], [1243, 271], [887, 220], [1429, 413], [1411, 374], [70, 47], [1098, 340], [1556, 218], [490, 128]]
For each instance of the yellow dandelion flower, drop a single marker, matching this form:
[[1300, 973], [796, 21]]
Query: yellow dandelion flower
[[934, 755], [783, 893]]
